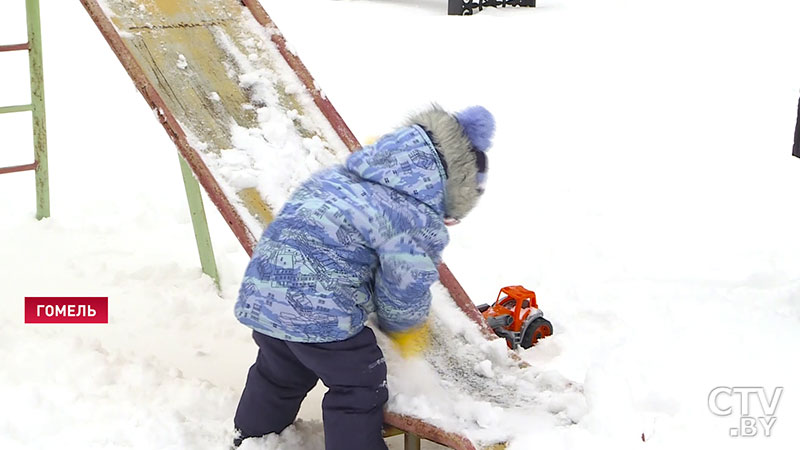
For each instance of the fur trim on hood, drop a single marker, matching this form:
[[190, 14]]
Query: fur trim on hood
[[451, 141]]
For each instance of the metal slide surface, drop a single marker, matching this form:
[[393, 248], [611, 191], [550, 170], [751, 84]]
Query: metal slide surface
[[251, 123], [211, 71]]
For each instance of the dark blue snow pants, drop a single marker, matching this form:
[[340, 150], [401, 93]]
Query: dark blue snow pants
[[354, 372]]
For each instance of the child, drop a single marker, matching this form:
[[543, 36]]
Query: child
[[360, 238]]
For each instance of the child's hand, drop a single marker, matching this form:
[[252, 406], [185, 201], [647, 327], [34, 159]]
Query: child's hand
[[412, 342]]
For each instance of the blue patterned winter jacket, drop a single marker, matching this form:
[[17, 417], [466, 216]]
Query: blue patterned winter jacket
[[355, 239]]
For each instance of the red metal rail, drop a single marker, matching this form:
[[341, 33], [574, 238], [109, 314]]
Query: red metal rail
[[21, 168], [427, 431], [15, 47]]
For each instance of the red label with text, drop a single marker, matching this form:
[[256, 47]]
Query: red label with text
[[66, 309]]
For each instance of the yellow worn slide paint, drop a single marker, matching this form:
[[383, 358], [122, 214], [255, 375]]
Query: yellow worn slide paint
[[184, 48]]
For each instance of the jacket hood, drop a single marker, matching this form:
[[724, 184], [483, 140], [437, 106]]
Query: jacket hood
[[452, 142], [404, 161]]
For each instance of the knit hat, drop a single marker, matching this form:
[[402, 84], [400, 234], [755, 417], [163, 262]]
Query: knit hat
[[461, 140]]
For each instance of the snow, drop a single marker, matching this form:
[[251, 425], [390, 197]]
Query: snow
[[641, 184], [279, 156], [301, 436], [449, 386], [182, 63]]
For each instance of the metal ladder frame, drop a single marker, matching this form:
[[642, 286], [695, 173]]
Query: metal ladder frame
[[34, 48], [40, 166]]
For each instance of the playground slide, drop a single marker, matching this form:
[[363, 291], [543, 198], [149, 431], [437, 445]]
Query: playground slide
[[249, 120]]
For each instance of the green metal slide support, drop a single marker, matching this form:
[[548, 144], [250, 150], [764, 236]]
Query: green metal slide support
[[34, 48], [199, 222]]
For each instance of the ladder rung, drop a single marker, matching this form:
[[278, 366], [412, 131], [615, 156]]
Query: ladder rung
[[15, 47], [22, 168], [16, 108]]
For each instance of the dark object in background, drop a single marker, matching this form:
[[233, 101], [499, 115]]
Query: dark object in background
[[469, 7], [796, 148]]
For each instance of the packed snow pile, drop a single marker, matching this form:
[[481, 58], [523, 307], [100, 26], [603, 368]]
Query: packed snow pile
[[66, 390], [302, 435], [139, 381]]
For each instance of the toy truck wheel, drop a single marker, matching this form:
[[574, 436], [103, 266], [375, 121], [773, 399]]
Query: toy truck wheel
[[539, 328]]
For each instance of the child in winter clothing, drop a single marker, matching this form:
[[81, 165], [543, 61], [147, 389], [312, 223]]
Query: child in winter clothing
[[360, 238]]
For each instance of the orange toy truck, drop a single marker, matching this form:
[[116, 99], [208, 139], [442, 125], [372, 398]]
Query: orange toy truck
[[516, 316]]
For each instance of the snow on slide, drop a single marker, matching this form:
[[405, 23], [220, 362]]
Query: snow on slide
[[242, 117], [470, 385], [230, 99]]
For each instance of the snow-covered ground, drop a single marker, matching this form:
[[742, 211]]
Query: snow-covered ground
[[641, 182]]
